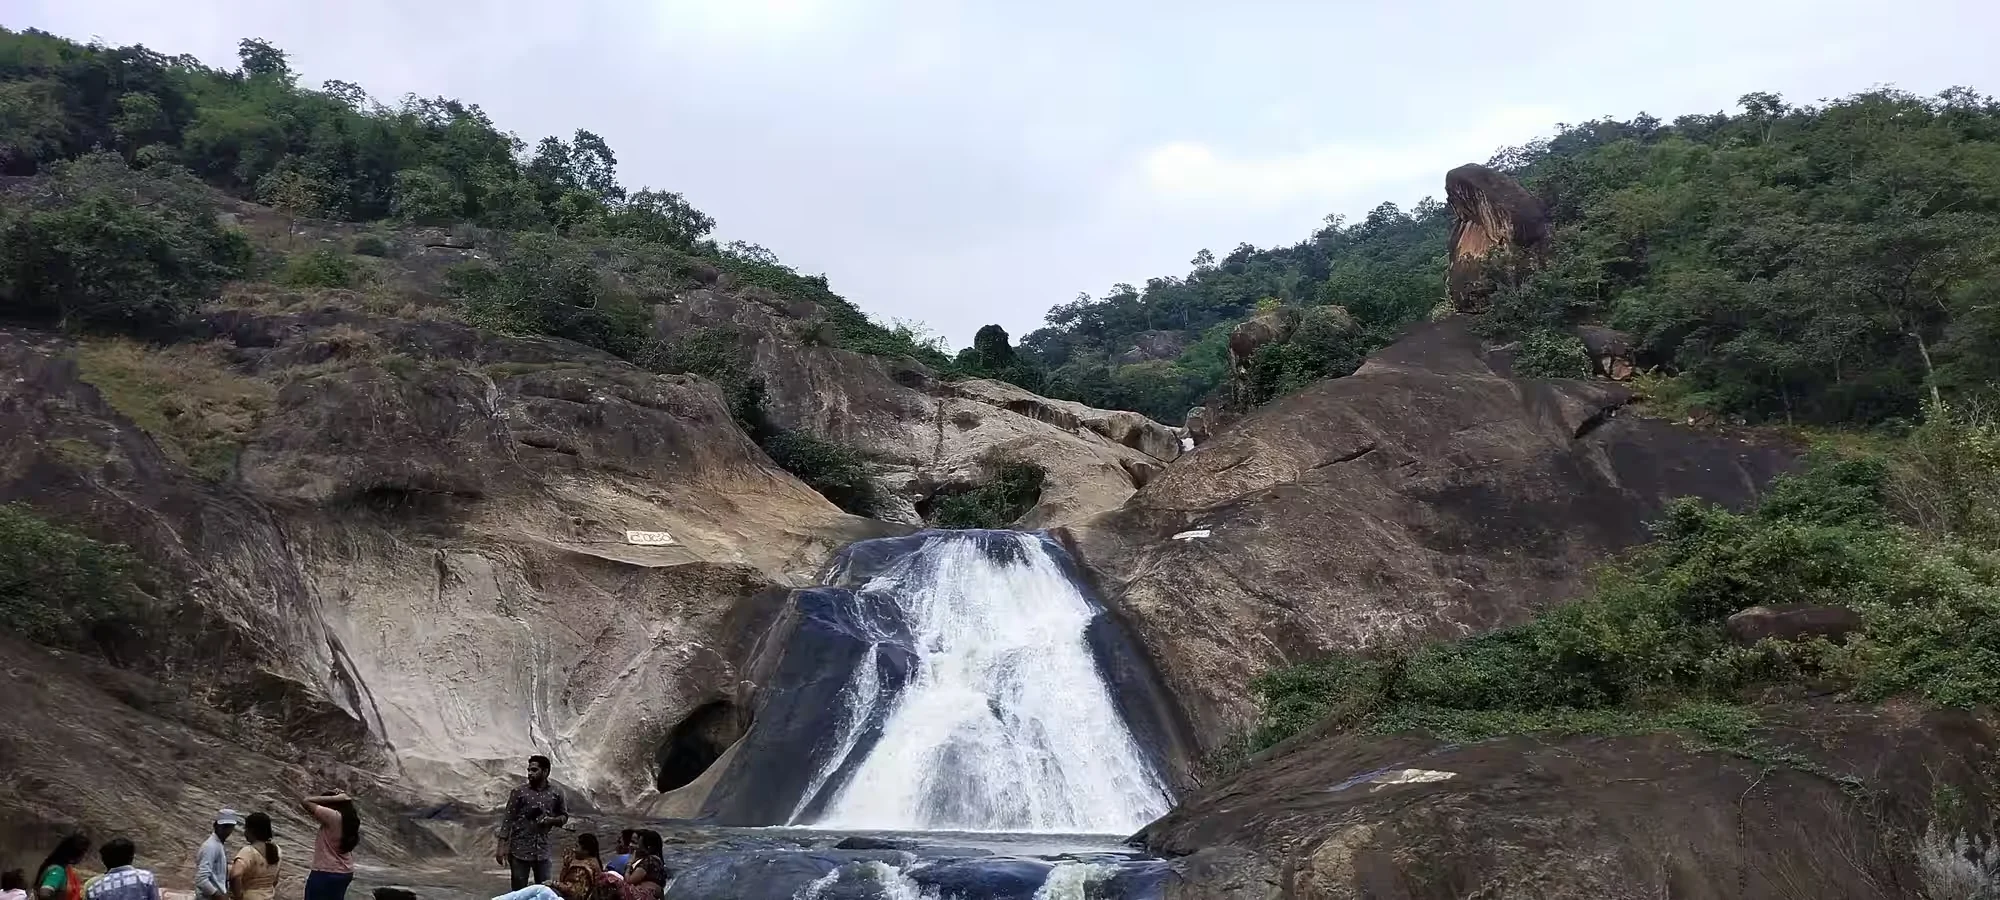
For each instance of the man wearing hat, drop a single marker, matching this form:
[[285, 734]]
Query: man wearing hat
[[211, 868]]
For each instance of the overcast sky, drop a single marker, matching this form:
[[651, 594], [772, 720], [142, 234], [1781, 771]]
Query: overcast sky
[[961, 163]]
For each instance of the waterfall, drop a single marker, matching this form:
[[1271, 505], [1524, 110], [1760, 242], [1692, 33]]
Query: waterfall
[[1005, 723]]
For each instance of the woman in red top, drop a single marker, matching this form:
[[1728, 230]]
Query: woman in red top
[[57, 878]]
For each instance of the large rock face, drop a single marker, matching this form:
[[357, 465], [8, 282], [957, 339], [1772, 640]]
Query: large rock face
[[1497, 229], [1424, 495], [1602, 818], [927, 434], [416, 570]]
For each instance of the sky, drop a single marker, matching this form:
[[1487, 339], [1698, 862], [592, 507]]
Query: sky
[[960, 163]]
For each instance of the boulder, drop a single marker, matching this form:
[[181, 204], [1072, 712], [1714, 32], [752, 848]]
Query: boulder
[[1423, 496], [1853, 816], [1611, 351], [1274, 326], [1199, 424], [1151, 345], [1792, 622], [1498, 230]]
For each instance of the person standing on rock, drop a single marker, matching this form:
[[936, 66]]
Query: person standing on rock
[[211, 865], [522, 843], [120, 880], [333, 847], [253, 874]]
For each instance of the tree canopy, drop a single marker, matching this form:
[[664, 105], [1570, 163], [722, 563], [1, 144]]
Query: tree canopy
[[1832, 264]]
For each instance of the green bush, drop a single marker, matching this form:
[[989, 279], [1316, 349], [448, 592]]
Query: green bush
[[85, 255], [426, 197], [60, 588], [370, 245], [837, 472], [1326, 344], [1552, 354], [321, 268], [1649, 644], [1015, 490], [549, 285]]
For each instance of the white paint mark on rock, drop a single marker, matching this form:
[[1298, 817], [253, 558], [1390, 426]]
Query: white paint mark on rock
[[1409, 776], [649, 538], [1196, 533], [1187, 443]]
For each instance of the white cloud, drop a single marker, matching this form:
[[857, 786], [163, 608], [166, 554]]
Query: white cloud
[[1193, 173]]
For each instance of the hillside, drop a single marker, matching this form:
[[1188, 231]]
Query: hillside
[[1828, 263]]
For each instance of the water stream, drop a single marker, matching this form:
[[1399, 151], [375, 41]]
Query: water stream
[[951, 716], [1006, 724]]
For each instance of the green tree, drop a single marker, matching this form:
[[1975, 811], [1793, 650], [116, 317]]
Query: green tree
[[114, 249], [426, 197], [661, 217], [61, 588]]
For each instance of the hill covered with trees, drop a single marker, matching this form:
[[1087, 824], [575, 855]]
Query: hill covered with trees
[[1835, 263], [337, 153]]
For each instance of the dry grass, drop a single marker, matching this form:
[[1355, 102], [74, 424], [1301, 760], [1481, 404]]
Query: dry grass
[[185, 396]]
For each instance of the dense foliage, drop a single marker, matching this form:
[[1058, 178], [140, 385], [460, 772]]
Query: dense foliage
[[107, 248], [1014, 490], [578, 255], [61, 588], [338, 153], [1385, 272], [1909, 537], [1827, 264], [1836, 263]]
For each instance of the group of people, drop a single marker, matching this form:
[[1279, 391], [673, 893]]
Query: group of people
[[252, 874], [637, 869], [523, 843]]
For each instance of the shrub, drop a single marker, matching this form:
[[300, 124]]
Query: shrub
[[425, 197], [321, 268], [1014, 490], [370, 245], [1648, 646], [837, 472], [88, 256], [547, 285], [1326, 344], [60, 588], [1551, 354]]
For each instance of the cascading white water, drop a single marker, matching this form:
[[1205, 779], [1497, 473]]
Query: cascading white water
[[1006, 724]]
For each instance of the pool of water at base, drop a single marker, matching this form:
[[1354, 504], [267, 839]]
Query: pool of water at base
[[713, 863]]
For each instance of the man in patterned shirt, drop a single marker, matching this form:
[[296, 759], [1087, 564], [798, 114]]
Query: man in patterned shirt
[[522, 844], [120, 881]]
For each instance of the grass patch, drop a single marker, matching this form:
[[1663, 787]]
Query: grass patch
[[78, 452], [198, 409]]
